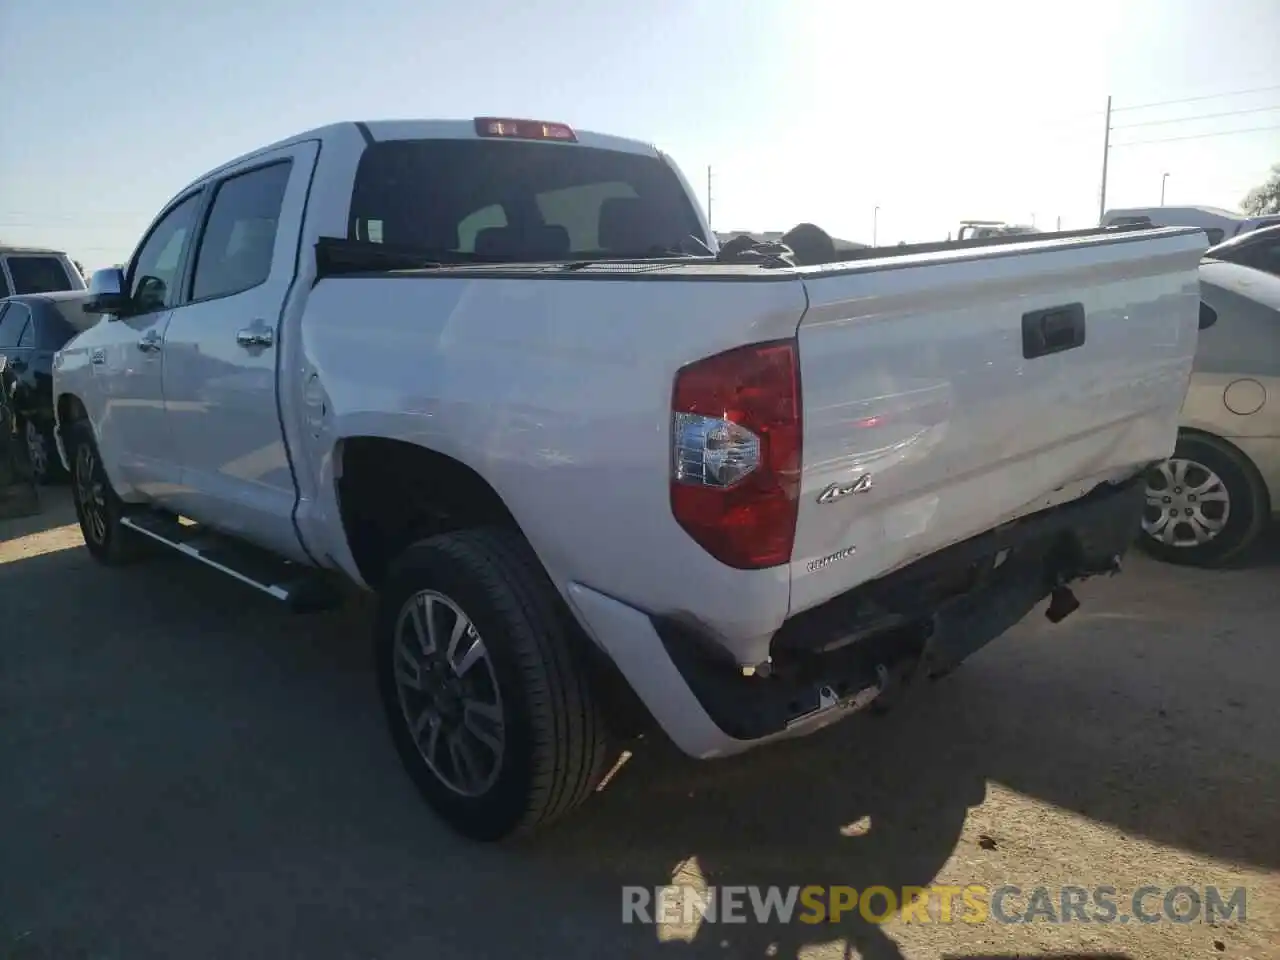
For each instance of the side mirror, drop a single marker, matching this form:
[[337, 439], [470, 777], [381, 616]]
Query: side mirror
[[1208, 316], [107, 293]]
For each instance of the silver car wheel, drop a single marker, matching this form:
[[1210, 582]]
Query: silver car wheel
[[1187, 504], [448, 693]]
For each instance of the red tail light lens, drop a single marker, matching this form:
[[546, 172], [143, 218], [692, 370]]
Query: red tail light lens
[[736, 432]]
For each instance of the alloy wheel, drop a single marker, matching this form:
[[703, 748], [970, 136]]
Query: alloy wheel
[[448, 693], [37, 451], [91, 495], [1188, 504]]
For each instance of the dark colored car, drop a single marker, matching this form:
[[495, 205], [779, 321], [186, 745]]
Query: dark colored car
[[32, 329], [1259, 249]]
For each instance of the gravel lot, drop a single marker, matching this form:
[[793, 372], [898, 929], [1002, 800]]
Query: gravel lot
[[188, 772]]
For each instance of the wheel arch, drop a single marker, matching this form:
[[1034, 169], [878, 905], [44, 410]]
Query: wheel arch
[[392, 493]]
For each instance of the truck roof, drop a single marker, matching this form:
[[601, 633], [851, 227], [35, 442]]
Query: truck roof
[[373, 131], [6, 248]]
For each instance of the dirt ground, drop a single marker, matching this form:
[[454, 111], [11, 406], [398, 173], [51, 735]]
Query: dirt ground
[[186, 771]]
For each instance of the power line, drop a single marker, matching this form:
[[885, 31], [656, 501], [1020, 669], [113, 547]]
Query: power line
[[1197, 136], [1203, 116], [1207, 96]]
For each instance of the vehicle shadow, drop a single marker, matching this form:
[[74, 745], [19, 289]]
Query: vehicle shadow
[[872, 802], [55, 510], [1264, 553], [236, 755], [1142, 711]]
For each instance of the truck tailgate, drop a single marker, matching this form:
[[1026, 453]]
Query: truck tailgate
[[946, 393]]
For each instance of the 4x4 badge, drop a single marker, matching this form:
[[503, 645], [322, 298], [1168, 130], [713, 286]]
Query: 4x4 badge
[[838, 490]]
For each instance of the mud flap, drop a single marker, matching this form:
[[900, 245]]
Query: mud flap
[[19, 495]]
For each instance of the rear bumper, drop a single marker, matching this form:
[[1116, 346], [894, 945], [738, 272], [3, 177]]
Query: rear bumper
[[836, 658]]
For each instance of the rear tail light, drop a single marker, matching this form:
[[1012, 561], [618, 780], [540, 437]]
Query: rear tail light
[[735, 436]]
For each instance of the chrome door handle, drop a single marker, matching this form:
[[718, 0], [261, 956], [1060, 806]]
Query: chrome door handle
[[149, 344], [255, 337]]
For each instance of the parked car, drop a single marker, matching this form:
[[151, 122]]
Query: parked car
[[37, 270], [1218, 224], [1221, 488], [1259, 249], [19, 495], [478, 369], [32, 329]]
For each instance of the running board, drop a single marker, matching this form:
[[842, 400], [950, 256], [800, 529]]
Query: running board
[[302, 589]]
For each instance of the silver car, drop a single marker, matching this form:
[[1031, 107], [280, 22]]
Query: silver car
[[1221, 488]]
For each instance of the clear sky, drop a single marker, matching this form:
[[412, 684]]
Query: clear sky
[[935, 111]]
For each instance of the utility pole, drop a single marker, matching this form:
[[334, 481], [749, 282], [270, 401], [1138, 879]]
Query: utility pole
[[1163, 178], [1059, 226], [875, 224], [1106, 153], [708, 195]]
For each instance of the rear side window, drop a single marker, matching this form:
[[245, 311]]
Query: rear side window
[[240, 233], [53, 331], [13, 323], [36, 274], [4, 283], [514, 200]]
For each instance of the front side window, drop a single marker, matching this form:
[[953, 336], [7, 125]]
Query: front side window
[[240, 234], [153, 277], [38, 274], [514, 201]]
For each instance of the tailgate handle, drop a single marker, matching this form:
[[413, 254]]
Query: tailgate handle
[[1052, 330]]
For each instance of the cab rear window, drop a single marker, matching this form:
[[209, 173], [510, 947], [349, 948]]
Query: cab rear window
[[517, 200], [35, 274]]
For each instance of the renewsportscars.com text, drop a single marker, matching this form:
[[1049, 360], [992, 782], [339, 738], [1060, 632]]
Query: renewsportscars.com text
[[970, 904]]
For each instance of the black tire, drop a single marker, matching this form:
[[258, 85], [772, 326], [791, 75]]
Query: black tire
[[46, 468], [553, 735], [1246, 505], [107, 540]]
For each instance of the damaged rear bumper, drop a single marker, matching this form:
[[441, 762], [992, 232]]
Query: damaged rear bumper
[[856, 648]]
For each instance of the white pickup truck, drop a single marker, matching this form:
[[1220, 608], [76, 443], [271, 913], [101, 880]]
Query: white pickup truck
[[500, 374]]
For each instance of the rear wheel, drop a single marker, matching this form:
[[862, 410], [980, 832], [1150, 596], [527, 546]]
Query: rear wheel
[[1205, 504], [98, 508], [489, 704], [41, 452]]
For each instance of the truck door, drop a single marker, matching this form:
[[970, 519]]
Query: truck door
[[128, 358], [221, 350]]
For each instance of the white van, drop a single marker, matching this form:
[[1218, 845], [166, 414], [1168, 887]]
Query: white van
[[37, 270], [1219, 224]]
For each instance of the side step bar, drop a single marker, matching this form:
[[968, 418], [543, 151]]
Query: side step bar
[[302, 589]]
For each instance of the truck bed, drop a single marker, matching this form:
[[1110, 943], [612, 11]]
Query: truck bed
[[554, 383]]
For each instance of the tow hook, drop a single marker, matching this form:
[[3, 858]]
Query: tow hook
[[1062, 603]]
